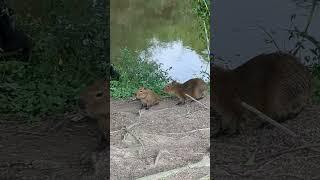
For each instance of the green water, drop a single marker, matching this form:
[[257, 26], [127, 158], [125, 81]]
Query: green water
[[166, 29]]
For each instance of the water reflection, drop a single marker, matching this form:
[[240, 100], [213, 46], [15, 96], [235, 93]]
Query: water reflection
[[183, 62], [167, 30]]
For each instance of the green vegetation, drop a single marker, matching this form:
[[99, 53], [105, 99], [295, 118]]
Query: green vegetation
[[201, 9], [136, 72], [309, 46], [67, 54], [173, 19]]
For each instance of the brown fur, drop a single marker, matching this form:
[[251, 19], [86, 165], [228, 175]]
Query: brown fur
[[194, 87], [276, 84], [147, 97], [94, 102]]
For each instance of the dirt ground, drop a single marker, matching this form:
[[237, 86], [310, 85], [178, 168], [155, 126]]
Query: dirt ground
[[269, 153], [45, 150], [162, 138]]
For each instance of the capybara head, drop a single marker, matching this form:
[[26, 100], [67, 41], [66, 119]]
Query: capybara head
[[141, 93], [93, 99], [170, 88]]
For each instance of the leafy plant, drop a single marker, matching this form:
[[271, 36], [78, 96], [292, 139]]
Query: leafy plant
[[67, 53], [201, 9], [136, 72], [309, 45]]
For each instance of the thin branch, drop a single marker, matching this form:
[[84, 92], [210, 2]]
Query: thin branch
[[270, 36], [268, 119], [159, 155], [314, 4], [197, 101], [205, 162], [192, 131]]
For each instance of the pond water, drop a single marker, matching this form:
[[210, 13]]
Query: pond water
[[237, 32], [166, 30]]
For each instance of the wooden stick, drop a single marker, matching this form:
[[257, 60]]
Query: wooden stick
[[197, 101], [205, 162], [268, 119]]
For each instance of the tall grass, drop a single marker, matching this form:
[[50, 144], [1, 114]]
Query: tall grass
[[202, 11]]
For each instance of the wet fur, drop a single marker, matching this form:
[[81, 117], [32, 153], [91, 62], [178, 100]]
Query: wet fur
[[275, 84]]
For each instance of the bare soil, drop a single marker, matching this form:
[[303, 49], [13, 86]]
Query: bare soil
[[39, 152], [269, 153], [162, 138]]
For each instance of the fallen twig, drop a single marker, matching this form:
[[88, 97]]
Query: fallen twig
[[159, 155], [132, 125], [268, 119], [120, 130], [205, 162], [195, 130], [197, 101], [128, 131], [207, 177]]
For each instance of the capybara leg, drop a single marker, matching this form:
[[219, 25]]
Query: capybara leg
[[181, 101], [102, 141]]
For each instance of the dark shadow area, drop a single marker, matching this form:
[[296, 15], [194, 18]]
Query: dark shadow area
[[265, 107], [51, 52]]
